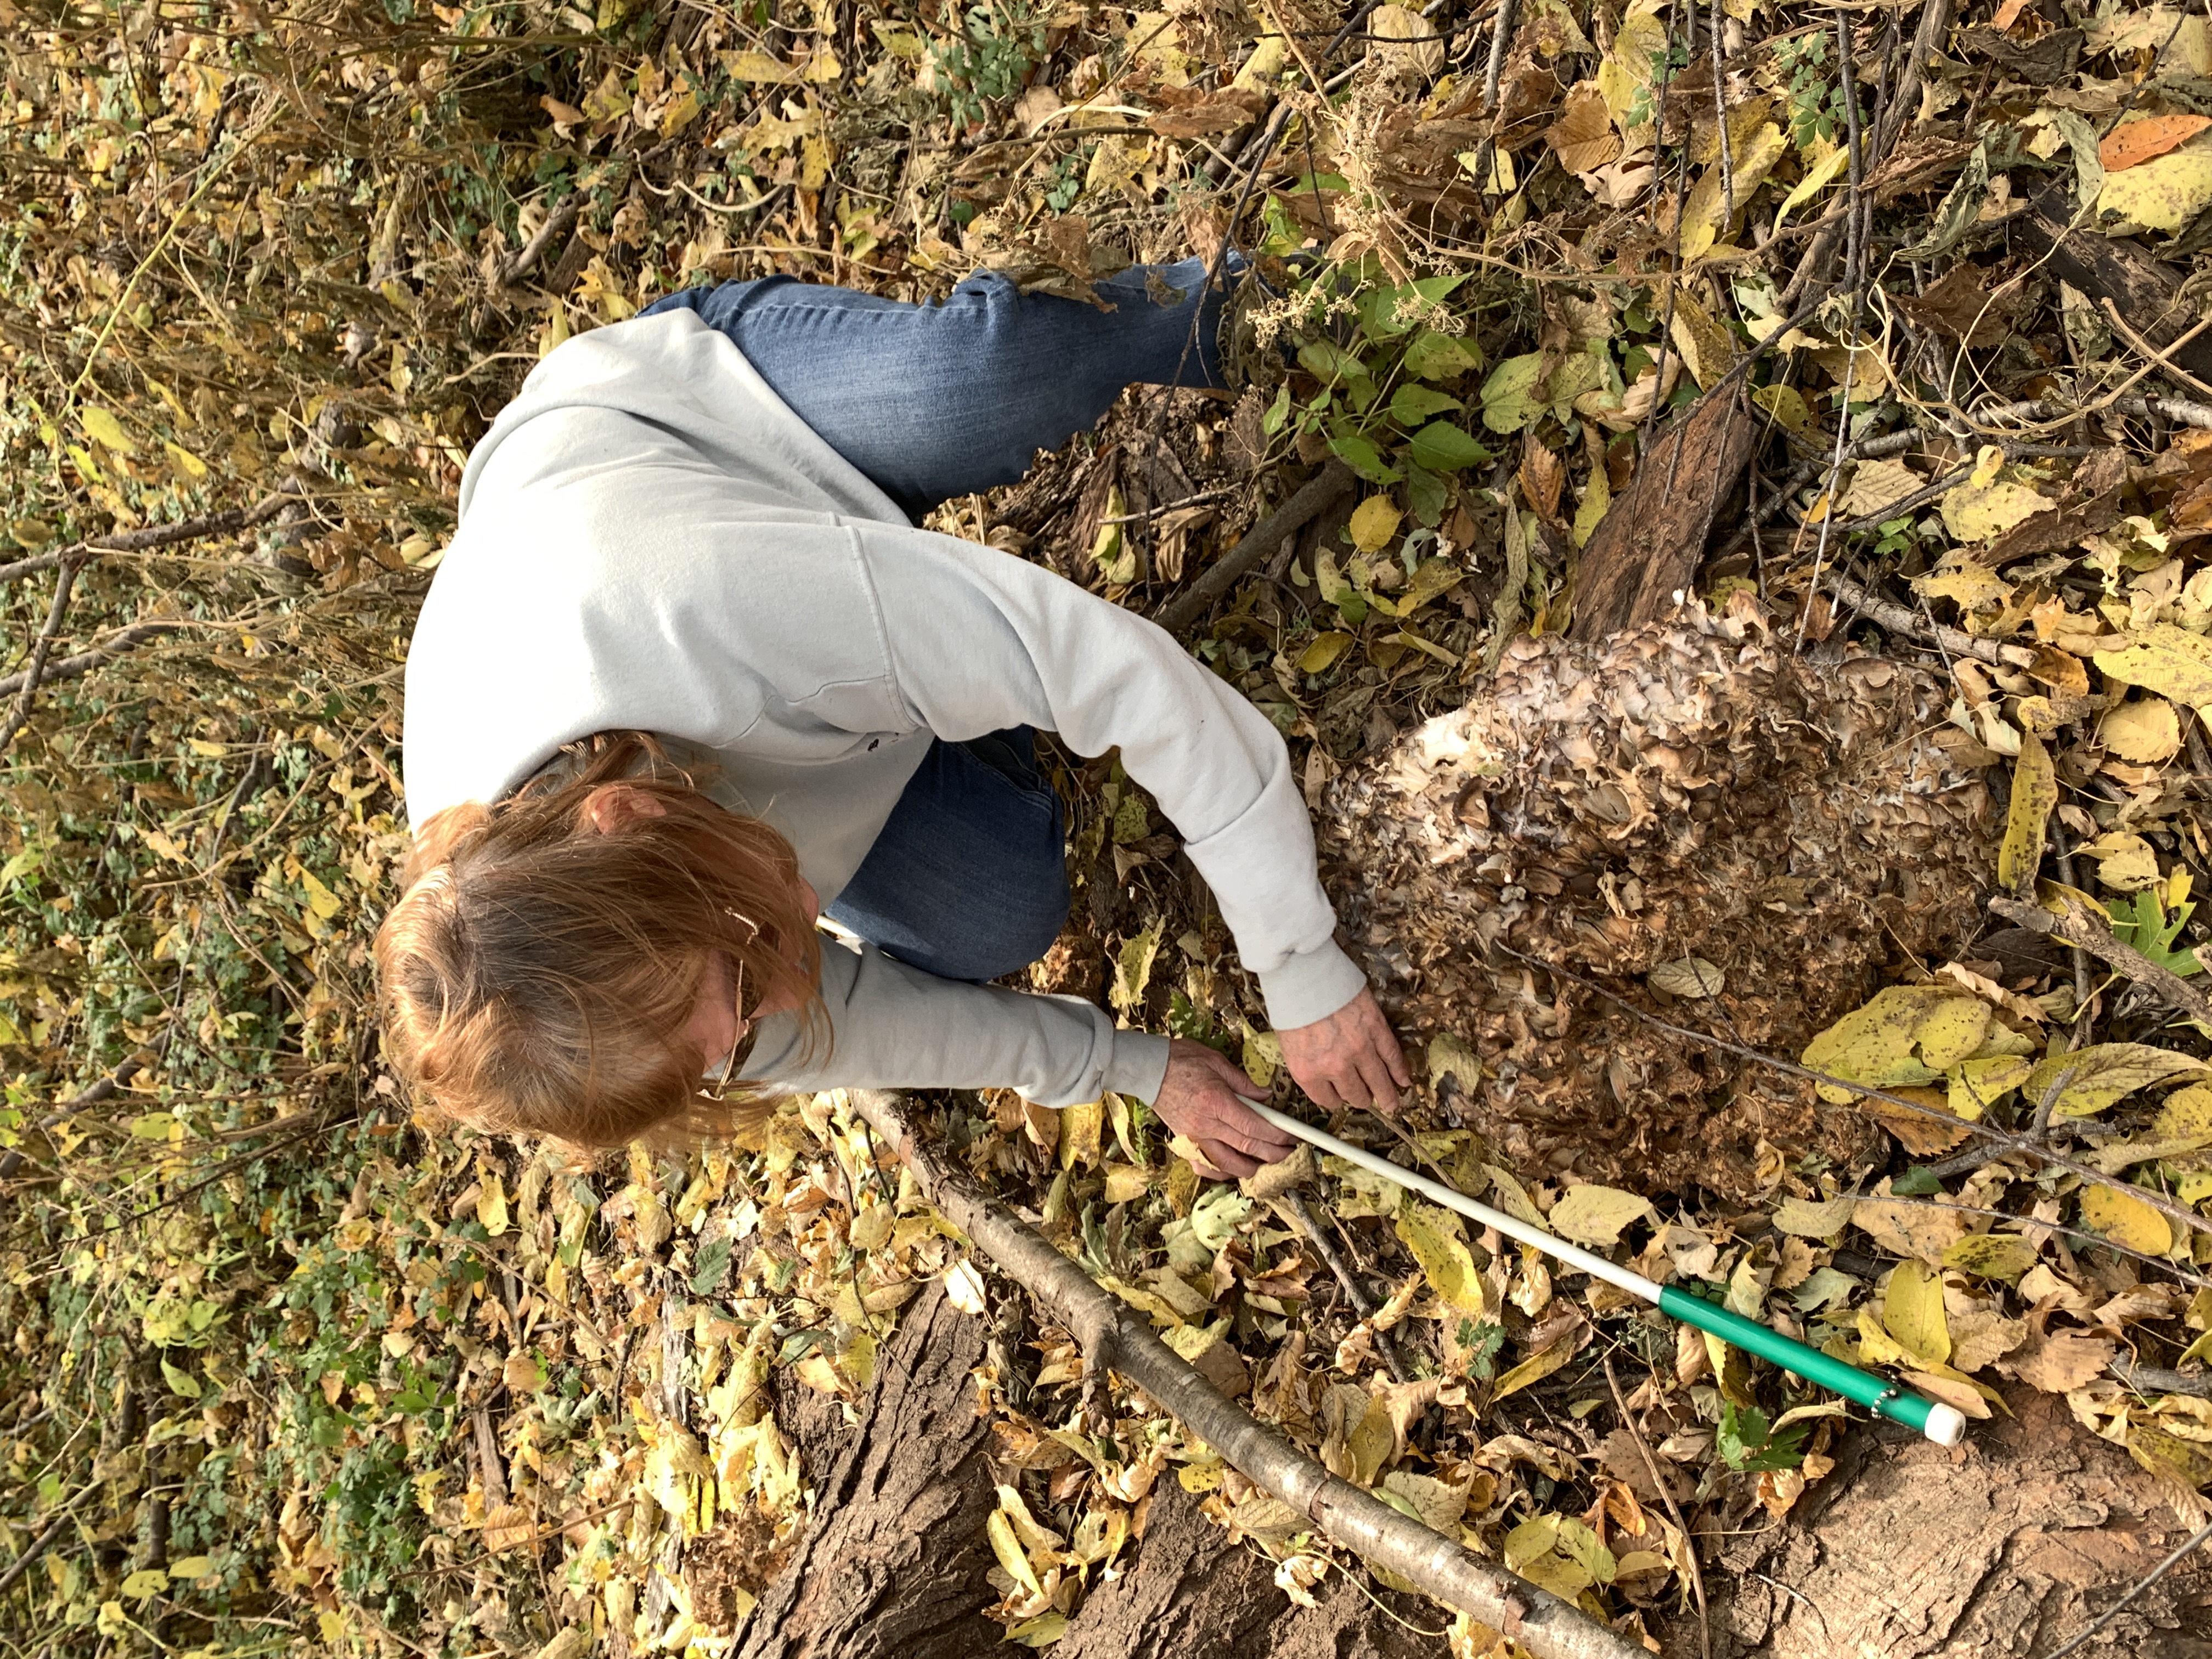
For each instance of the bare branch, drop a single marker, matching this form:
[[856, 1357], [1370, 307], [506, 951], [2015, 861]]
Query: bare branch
[[512, 271], [159, 535], [1326, 486], [40, 648], [1112, 1336], [80, 663], [2080, 928]]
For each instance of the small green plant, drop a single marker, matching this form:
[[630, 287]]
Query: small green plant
[[1482, 1341], [1380, 406], [1749, 1443], [1664, 63], [1816, 103], [1000, 41], [1068, 179], [2146, 927]]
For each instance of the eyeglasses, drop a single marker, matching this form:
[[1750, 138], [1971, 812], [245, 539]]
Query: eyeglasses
[[729, 1071]]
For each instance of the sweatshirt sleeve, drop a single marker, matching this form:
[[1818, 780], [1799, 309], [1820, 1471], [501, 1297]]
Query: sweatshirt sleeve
[[984, 641], [893, 1026]]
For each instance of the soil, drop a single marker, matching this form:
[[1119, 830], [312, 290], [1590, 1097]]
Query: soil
[[2010, 1545]]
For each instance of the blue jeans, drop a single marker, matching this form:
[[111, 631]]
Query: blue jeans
[[934, 401], [968, 879]]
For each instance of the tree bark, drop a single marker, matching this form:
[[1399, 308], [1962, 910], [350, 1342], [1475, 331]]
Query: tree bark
[[1653, 538], [1192, 1591], [2008, 1545], [894, 1565], [896, 1561]]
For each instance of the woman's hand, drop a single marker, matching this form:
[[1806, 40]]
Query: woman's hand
[[1350, 1059], [1200, 1101]]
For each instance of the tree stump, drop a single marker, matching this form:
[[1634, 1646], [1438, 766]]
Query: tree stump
[[2008, 1547], [893, 1565]]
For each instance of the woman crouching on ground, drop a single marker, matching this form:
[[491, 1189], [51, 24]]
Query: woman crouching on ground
[[689, 671]]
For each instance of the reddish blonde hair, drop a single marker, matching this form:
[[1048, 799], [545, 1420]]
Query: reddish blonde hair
[[536, 975]]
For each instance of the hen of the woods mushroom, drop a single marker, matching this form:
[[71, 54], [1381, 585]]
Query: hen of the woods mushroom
[[1734, 835]]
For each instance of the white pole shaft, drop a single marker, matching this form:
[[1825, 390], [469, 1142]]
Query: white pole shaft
[[1512, 1226]]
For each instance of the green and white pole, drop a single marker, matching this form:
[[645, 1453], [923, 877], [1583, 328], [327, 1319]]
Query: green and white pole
[[1944, 1424]]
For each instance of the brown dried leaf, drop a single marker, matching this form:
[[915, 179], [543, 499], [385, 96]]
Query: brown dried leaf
[[2060, 1362], [1582, 137]]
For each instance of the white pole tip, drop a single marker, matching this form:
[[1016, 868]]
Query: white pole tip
[[1947, 1425]]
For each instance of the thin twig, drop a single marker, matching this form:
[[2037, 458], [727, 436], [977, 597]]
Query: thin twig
[[1293, 1205], [160, 535], [2159, 1379], [1674, 1509], [2159, 357], [2121, 1605], [2078, 927], [1854, 227], [1828, 490]]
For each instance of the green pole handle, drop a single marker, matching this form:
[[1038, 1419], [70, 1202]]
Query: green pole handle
[[1943, 1423]]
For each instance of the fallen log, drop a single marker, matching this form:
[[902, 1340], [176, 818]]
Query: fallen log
[[2145, 289], [1112, 1336]]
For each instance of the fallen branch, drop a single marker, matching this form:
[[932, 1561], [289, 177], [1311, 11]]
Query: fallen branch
[[44, 644], [2147, 1580], [1111, 1336], [160, 535], [1900, 620], [83, 662], [2054, 411], [33, 1551], [511, 271], [1332, 482], [2159, 1379], [2089, 932]]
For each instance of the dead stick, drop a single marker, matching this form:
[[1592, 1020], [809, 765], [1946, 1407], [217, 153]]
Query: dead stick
[[1293, 1205], [160, 535], [40, 649], [1675, 1510], [1111, 1336], [1900, 620], [1324, 487], [80, 663], [2158, 1379], [32, 1553], [2163, 359], [2078, 927], [512, 271]]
